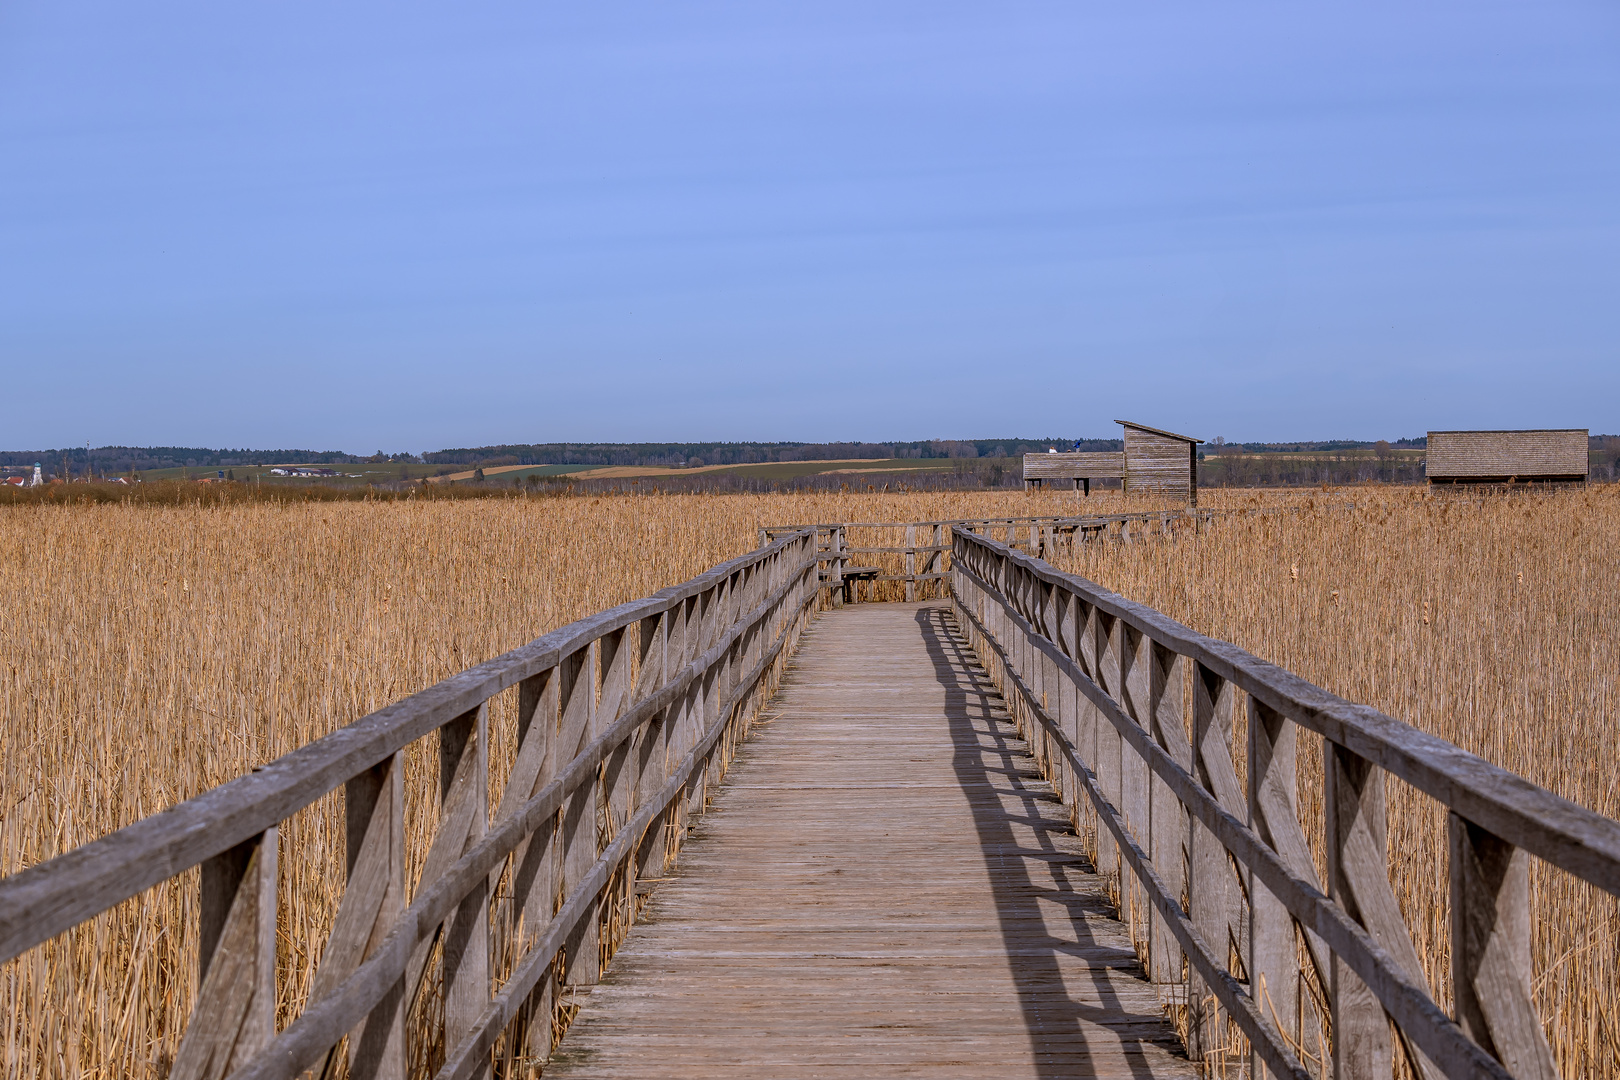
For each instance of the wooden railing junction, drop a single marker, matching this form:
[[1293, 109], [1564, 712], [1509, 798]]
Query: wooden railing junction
[[1104, 689], [916, 565], [626, 720]]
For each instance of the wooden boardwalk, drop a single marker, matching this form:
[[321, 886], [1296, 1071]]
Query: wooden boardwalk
[[884, 887]]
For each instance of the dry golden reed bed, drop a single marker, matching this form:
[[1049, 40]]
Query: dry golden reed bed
[[153, 652], [1492, 621]]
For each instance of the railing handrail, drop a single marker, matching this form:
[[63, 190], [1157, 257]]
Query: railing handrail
[[43, 900], [705, 647], [1039, 629], [1566, 834]]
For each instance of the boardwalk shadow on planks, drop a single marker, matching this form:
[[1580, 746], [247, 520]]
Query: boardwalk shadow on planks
[[991, 757]]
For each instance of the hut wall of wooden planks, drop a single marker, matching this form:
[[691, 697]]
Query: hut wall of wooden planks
[[1160, 462], [1153, 462], [1081, 467], [1483, 457]]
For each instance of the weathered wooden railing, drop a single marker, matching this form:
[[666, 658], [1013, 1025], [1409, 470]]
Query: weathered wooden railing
[[1103, 688], [624, 718], [917, 565]]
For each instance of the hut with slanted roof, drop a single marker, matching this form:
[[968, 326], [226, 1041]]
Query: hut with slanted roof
[[1160, 462], [1497, 457]]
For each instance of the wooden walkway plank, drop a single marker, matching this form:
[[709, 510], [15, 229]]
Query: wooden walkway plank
[[884, 887]]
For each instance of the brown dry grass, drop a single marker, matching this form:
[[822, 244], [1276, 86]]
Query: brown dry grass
[[1491, 620], [152, 652]]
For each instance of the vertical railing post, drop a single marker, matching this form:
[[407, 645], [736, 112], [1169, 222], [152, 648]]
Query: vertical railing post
[[1067, 712], [1273, 792], [1213, 889], [578, 838], [1051, 684], [651, 749], [534, 860], [1353, 798], [464, 787], [618, 782], [1110, 647], [374, 809], [1490, 949], [911, 563], [936, 558], [1167, 817], [1135, 702], [835, 580], [691, 715], [1088, 653], [235, 1016]]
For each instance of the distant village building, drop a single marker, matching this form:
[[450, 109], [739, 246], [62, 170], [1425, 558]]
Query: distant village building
[[299, 470], [1496, 457], [18, 475], [1153, 462]]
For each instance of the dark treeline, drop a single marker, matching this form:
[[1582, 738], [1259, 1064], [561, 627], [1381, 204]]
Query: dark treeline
[[1247, 465], [1326, 446], [1288, 471], [1223, 464], [76, 461], [968, 476], [117, 460], [748, 453]]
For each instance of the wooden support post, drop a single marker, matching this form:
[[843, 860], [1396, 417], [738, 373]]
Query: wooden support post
[[1089, 648], [835, 579], [1068, 704], [235, 1016], [1051, 689], [464, 791], [720, 712], [578, 839], [1110, 645], [936, 558], [705, 712], [374, 807], [911, 563], [1213, 888], [1168, 819], [1353, 799], [1134, 664], [1490, 950], [651, 767], [534, 860], [1273, 957], [617, 650]]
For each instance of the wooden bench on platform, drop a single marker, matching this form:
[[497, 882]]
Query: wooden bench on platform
[[850, 576]]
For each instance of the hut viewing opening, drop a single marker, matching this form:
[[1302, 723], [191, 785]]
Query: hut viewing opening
[[1497, 457]]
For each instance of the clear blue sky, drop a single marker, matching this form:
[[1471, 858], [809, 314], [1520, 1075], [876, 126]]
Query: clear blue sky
[[399, 226]]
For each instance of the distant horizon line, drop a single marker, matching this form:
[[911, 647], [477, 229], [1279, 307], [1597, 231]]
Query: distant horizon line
[[80, 448]]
